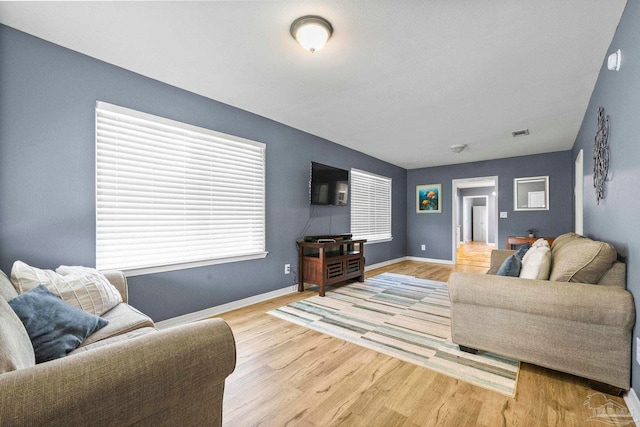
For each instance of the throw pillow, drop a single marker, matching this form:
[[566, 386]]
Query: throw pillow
[[55, 328], [523, 249], [536, 263], [15, 347], [510, 266], [581, 260], [84, 288]]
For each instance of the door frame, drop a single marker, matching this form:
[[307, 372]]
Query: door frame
[[460, 183], [578, 194]]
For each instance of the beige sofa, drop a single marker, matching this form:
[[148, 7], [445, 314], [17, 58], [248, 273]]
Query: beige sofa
[[126, 373], [582, 329]]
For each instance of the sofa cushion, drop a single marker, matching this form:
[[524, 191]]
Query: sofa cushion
[[122, 319], [54, 327], [16, 351], [582, 260], [81, 287], [536, 263], [114, 339], [7, 291]]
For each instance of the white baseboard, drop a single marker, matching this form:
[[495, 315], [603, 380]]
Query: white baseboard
[[431, 260], [631, 399], [233, 305], [384, 263]]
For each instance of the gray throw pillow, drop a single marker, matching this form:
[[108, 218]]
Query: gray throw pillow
[[511, 266], [522, 250], [54, 327]]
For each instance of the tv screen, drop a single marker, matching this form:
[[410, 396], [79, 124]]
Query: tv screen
[[329, 185]]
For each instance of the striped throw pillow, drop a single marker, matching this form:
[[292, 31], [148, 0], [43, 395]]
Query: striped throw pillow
[[82, 287]]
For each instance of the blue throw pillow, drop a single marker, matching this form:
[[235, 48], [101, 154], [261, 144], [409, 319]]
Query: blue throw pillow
[[523, 250], [511, 266], [54, 327]]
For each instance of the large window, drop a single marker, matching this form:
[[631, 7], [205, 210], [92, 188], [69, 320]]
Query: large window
[[370, 206], [171, 195]]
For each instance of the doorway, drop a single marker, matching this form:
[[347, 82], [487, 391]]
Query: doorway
[[578, 193], [475, 220]]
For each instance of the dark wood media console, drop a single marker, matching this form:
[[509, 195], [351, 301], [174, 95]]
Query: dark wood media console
[[328, 263]]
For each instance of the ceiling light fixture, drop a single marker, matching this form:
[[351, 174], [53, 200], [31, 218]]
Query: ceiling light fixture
[[312, 32], [458, 148]]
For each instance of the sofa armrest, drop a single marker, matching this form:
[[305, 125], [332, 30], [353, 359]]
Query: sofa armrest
[[580, 302], [172, 377], [119, 280]]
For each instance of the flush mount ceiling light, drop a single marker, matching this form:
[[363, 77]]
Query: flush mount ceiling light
[[458, 148], [312, 32]]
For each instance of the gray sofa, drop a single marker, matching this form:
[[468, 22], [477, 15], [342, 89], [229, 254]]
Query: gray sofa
[[124, 374], [578, 328]]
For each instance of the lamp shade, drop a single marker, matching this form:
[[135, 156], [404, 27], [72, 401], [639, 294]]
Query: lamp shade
[[312, 32]]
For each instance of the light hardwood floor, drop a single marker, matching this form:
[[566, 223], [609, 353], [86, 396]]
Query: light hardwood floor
[[288, 375], [474, 253]]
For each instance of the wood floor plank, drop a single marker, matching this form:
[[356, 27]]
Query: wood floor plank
[[288, 375]]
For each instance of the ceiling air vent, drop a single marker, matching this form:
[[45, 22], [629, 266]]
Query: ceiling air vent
[[516, 133]]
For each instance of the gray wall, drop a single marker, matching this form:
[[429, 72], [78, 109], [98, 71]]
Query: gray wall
[[491, 208], [615, 219], [47, 157], [434, 230]]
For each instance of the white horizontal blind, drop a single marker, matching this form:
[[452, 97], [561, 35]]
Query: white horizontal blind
[[170, 194], [370, 206]]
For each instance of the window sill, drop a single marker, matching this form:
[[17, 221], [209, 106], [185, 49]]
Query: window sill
[[371, 242], [194, 264]]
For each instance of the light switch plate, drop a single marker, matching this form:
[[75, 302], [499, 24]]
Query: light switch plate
[[503, 214]]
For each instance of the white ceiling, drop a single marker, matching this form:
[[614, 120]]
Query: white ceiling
[[399, 80]]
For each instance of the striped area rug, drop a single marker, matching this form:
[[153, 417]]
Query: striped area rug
[[403, 317]]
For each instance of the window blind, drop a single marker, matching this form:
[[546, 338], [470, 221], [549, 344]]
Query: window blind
[[171, 195], [370, 206]]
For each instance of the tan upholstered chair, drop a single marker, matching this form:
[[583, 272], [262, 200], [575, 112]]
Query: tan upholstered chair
[[126, 373]]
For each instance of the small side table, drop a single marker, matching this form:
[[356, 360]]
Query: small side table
[[517, 241]]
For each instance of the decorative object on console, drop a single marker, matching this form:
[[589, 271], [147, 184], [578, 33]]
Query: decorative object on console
[[428, 198], [532, 232], [601, 154]]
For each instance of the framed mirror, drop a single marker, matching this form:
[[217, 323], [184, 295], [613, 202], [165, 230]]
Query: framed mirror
[[531, 194]]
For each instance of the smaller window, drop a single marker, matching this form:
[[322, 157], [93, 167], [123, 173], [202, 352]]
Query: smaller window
[[370, 206]]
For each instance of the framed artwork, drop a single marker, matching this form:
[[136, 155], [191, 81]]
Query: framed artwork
[[428, 198], [531, 194]]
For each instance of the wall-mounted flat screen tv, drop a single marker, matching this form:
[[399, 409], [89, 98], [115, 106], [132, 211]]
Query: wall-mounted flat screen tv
[[328, 185]]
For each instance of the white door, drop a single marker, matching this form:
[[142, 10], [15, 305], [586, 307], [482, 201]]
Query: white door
[[479, 215], [466, 221], [578, 194]]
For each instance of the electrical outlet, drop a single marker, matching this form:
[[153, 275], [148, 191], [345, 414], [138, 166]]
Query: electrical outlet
[[287, 268], [423, 247], [503, 214]]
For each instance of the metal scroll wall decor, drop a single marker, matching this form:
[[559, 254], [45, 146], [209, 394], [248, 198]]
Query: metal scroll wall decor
[[601, 154]]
